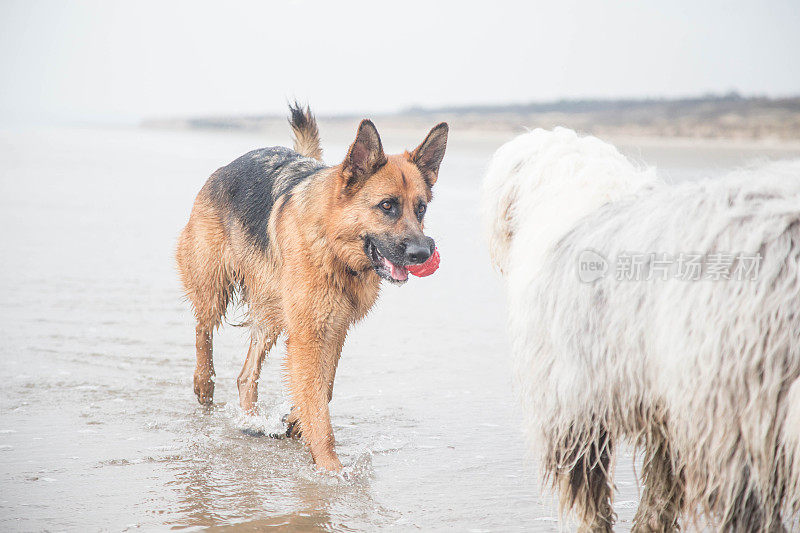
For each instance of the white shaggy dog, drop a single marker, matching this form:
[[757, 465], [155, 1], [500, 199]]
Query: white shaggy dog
[[667, 316]]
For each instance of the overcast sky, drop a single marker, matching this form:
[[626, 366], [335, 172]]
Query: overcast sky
[[114, 61]]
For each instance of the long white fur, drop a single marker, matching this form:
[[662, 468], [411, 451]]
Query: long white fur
[[712, 367]]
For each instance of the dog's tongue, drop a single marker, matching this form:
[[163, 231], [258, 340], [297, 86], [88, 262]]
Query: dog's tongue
[[398, 273]]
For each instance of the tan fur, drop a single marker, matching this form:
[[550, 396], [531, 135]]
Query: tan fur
[[304, 286]]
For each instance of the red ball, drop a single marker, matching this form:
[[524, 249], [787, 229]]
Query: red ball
[[427, 268]]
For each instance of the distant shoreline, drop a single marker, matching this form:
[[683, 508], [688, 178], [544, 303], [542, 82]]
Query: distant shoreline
[[730, 118]]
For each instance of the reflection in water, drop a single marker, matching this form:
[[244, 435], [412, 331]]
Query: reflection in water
[[228, 477], [312, 520]]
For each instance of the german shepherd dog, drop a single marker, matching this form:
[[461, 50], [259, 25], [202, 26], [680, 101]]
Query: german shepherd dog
[[305, 246]]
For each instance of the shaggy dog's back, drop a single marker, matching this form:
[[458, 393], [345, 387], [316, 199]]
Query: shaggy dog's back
[[713, 360], [702, 371]]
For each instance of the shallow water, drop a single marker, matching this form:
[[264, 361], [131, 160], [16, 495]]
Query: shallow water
[[100, 430]]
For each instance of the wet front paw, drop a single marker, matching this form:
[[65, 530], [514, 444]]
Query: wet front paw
[[204, 388], [330, 463]]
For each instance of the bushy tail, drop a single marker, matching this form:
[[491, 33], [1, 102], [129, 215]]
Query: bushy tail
[[306, 134]]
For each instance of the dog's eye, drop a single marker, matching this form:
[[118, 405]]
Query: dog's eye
[[386, 205], [421, 209]]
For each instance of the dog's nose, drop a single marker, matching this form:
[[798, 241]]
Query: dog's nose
[[419, 252]]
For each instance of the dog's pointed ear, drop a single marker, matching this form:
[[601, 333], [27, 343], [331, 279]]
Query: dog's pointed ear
[[428, 155], [365, 155]]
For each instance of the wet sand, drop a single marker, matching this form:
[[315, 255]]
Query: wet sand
[[100, 430]]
